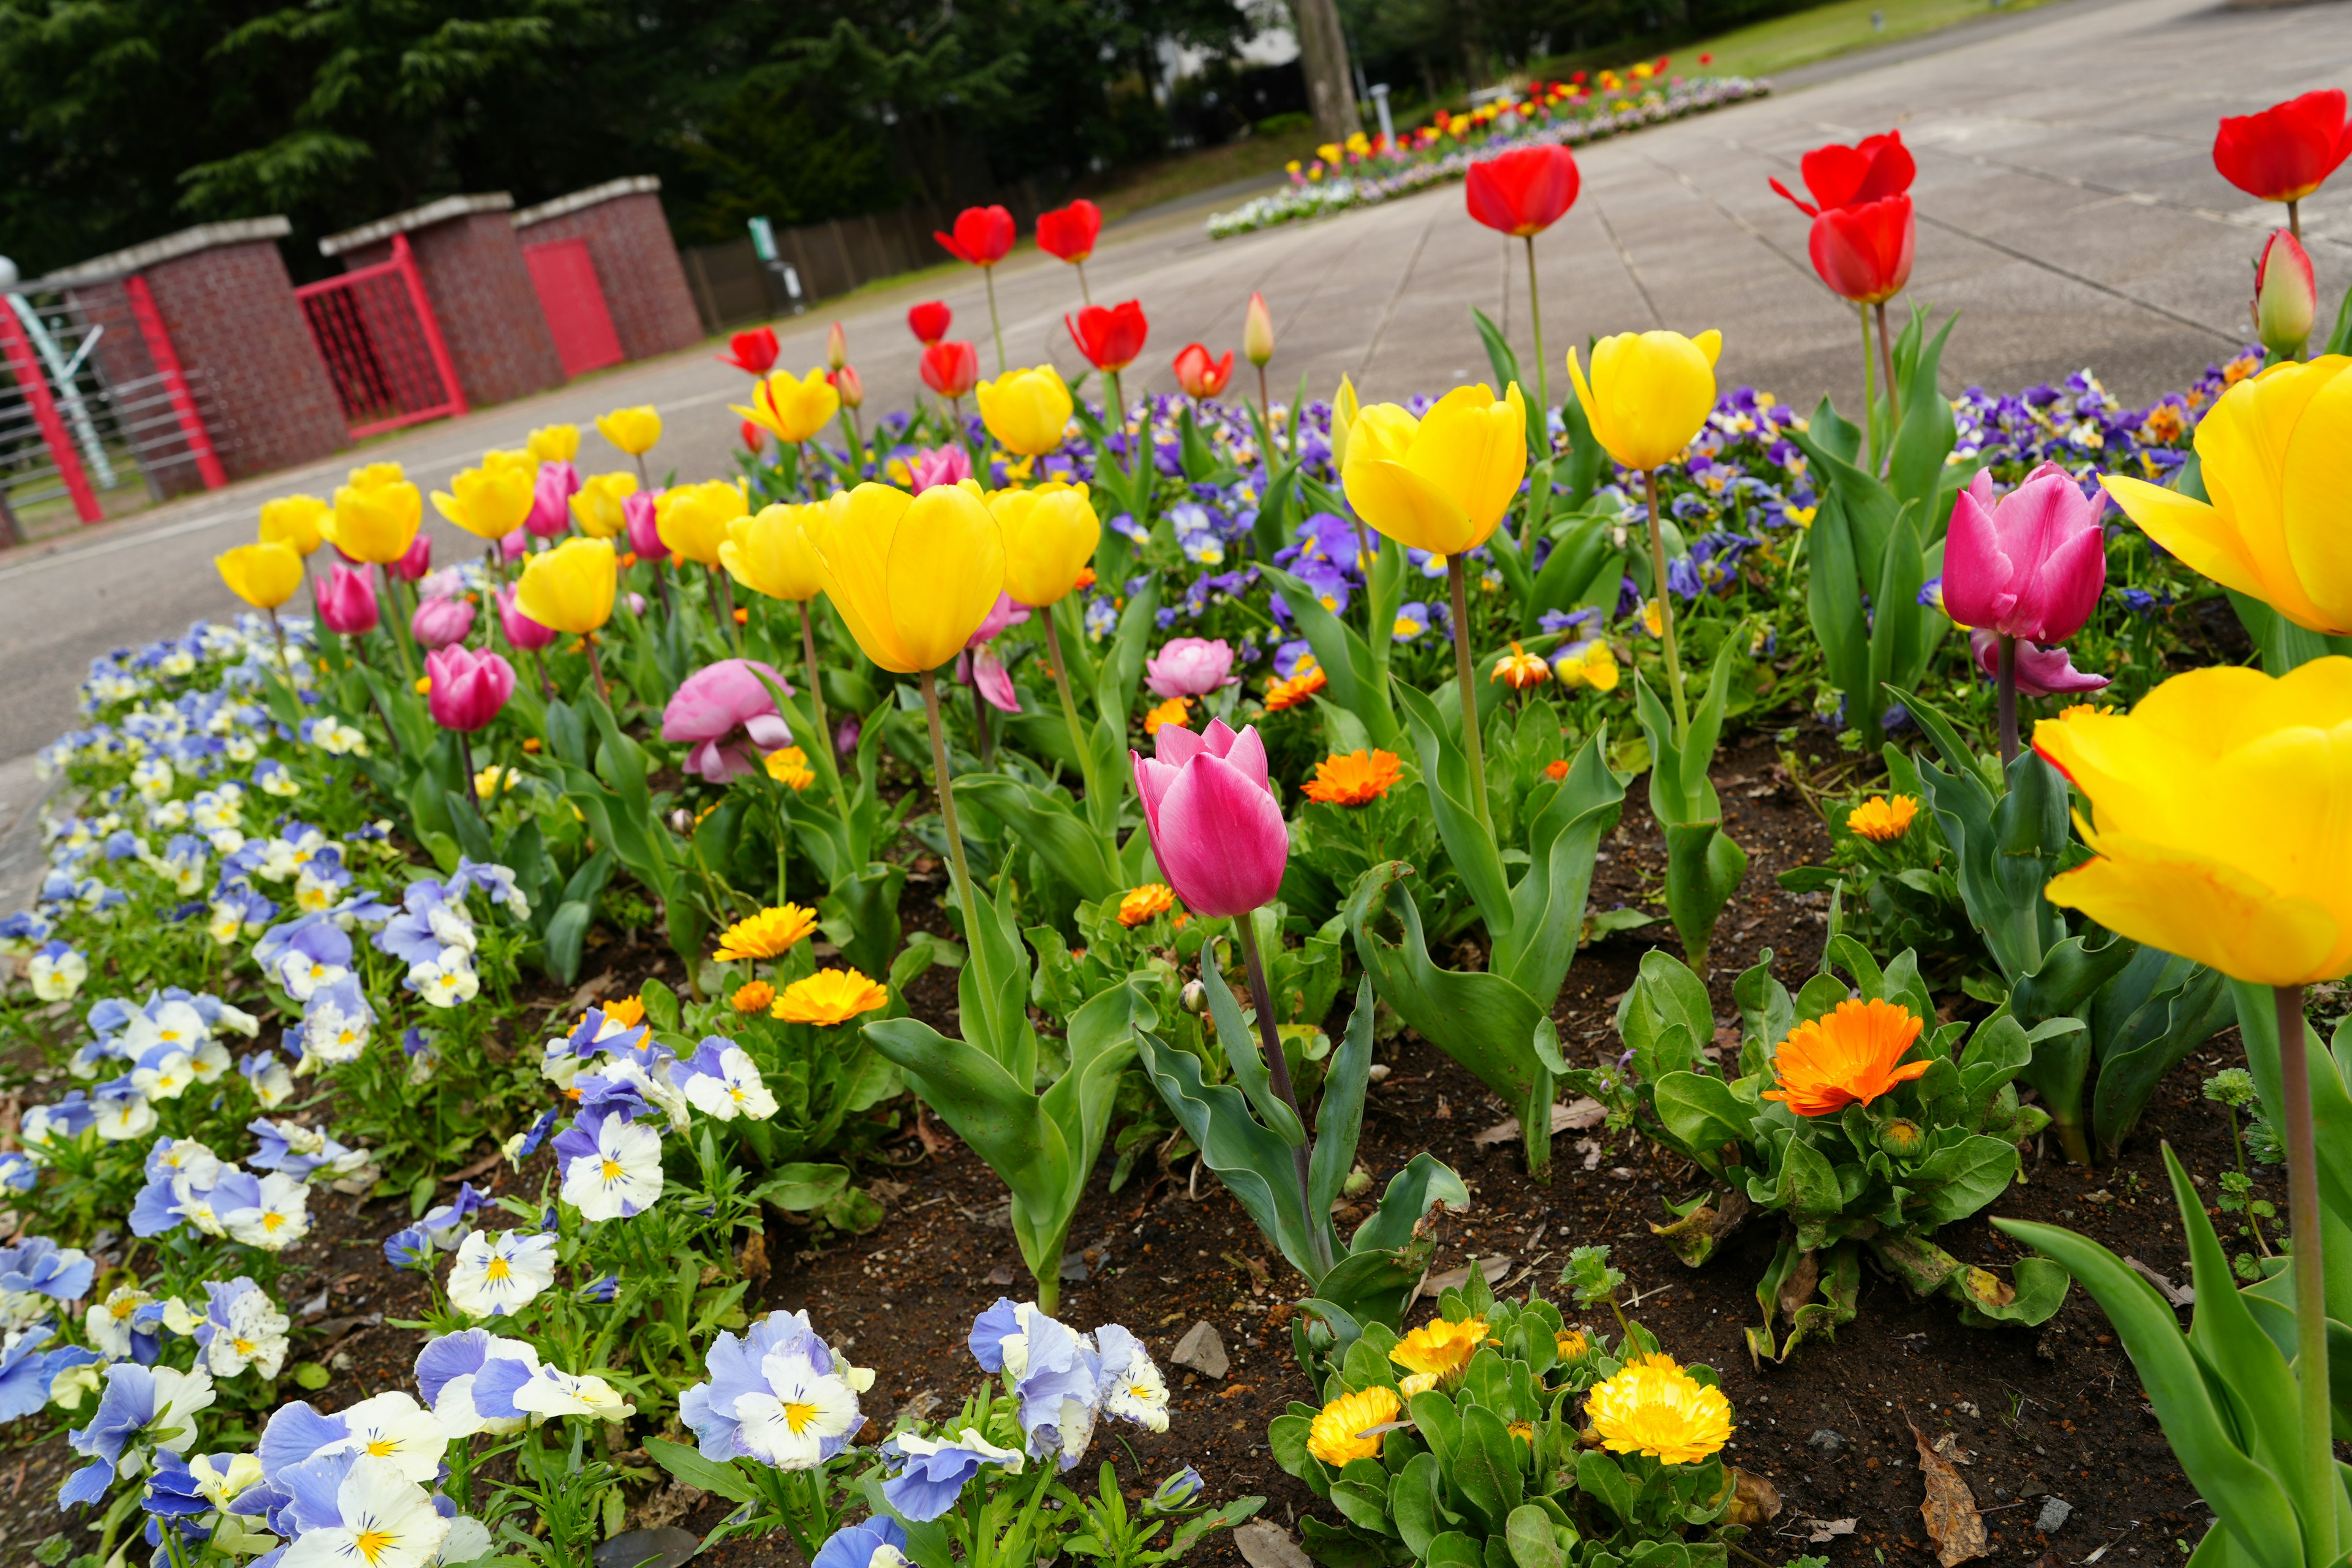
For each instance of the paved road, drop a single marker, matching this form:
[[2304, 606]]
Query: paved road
[[2068, 208]]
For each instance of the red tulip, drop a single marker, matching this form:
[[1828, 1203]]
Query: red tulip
[[1872, 170], [982, 236], [1523, 192], [929, 321], [950, 369], [1069, 232], [2286, 151], [754, 351], [754, 437], [1199, 375], [850, 386], [1109, 338], [1865, 253]]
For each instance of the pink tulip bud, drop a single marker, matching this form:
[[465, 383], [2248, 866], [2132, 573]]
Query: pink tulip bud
[[729, 715], [511, 547], [837, 348], [526, 635], [637, 604], [551, 500], [468, 688], [937, 466], [1257, 333], [347, 603], [1189, 667], [2030, 566], [439, 623], [2041, 671], [2286, 296], [413, 566], [850, 386], [1215, 829], [644, 534]]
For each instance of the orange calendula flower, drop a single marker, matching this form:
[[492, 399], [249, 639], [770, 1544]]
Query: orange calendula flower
[[1172, 711], [1556, 769], [1849, 1055], [628, 1012], [1440, 1349], [1654, 1407], [1140, 904], [2085, 710], [1086, 579], [753, 996], [789, 766], [1305, 682], [1341, 1430], [830, 996], [1354, 778], [1883, 820], [766, 934], [1520, 669]]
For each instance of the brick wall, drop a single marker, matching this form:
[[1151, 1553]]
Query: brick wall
[[482, 291], [233, 321], [637, 262]]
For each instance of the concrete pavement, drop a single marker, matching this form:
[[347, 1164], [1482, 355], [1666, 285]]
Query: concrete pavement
[[2068, 208]]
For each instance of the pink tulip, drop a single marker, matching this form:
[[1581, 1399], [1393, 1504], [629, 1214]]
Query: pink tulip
[[347, 603], [981, 668], [441, 622], [2030, 566], [524, 634], [1215, 829], [512, 546], [413, 566], [1007, 612], [551, 500], [727, 710], [2041, 671], [644, 534], [1189, 667], [937, 466], [468, 688]]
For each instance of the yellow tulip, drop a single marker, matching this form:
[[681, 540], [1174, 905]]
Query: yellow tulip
[[511, 459], [693, 519], [1344, 409], [598, 507], [264, 575], [632, 431], [375, 516], [570, 588], [490, 502], [1027, 409], [912, 575], [770, 553], [1648, 393], [2220, 819], [1050, 534], [554, 443], [2276, 455], [293, 520], [1441, 482], [792, 409]]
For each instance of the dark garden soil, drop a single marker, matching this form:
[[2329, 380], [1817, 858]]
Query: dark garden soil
[[2049, 1413]]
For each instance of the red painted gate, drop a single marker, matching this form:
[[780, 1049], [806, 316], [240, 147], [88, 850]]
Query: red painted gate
[[376, 330], [574, 302]]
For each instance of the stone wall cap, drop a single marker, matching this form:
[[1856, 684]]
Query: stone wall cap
[[414, 219], [611, 190], [187, 242]]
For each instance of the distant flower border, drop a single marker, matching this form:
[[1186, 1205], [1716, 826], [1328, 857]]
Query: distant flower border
[[1320, 198]]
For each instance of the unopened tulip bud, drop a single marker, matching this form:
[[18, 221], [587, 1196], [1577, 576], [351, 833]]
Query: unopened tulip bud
[[837, 348], [2286, 296], [1344, 409], [852, 390], [1195, 997], [1257, 333]]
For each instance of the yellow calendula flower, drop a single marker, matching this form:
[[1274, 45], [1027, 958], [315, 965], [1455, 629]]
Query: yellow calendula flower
[[788, 765], [767, 934], [830, 996], [1654, 1407], [1144, 903], [1569, 1344], [1882, 819], [1415, 1383], [1341, 1430], [752, 997], [1440, 1347], [627, 1012], [1172, 711]]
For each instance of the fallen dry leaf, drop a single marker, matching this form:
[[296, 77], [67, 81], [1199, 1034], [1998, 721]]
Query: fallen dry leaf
[[1948, 1444], [1434, 1285], [2178, 1295], [1754, 1501], [1949, 1507], [1821, 1530], [1574, 1117]]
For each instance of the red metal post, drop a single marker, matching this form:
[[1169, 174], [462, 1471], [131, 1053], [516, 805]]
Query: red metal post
[[407, 263], [36, 382], [175, 385]]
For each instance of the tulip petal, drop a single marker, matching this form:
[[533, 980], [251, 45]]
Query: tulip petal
[[1177, 745], [1977, 570], [1473, 450], [2312, 490], [2205, 910], [2188, 527], [2243, 444], [946, 568], [1407, 507], [1221, 839]]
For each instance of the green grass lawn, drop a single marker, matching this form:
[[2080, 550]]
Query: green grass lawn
[[1825, 31]]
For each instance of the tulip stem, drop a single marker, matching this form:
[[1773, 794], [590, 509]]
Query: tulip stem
[[1666, 614], [817, 692], [990, 274], [285, 667], [538, 662], [1473, 746], [399, 618], [2005, 686], [979, 724], [1543, 402], [1869, 393], [596, 667], [1894, 393], [1089, 295], [2321, 1489], [722, 595], [1070, 710], [947, 806], [2295, 220], [1278, 1066], [1266, 415], [473, 780]]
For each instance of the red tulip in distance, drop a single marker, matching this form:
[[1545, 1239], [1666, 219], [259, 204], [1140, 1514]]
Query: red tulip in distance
[[929, 321], [1109, 338], [1069, 232], [950, 369], [752, 353], [1870, 170], [982, 237], [1524, 191], [2286, 151], [1864, 253], [1199, 375]]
